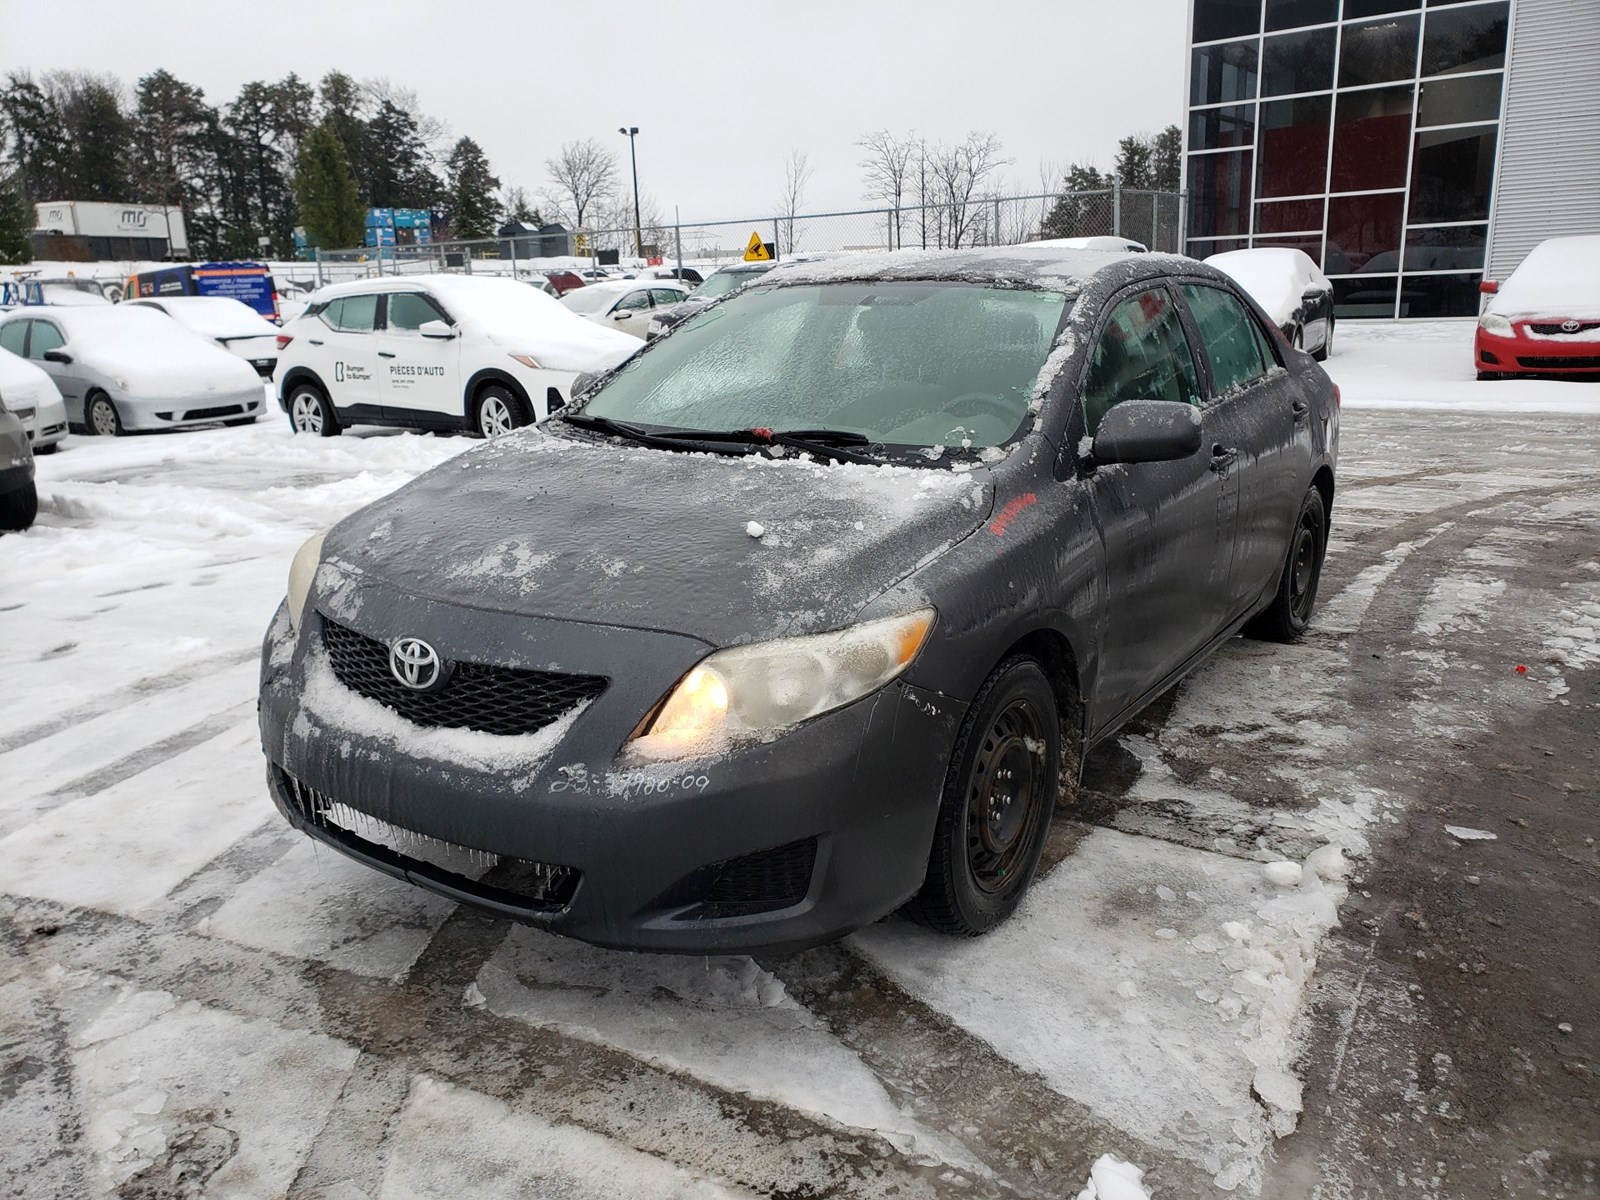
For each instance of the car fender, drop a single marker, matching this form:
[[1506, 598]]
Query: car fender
[[498, 375], [297, 374]]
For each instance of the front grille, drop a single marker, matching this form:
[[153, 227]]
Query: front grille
[[206, 414], [739, 887], [1557, 362], [1555, 330], [502, 700], [496, 879]]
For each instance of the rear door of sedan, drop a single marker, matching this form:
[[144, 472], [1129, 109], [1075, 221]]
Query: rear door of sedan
[[1254, 419]]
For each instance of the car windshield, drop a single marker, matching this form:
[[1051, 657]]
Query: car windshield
[[724, 282], [901, 364]]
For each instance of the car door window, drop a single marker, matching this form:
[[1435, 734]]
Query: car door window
[[1142, 354], [45, 337], [1234, 344], [352, 314], [662, 297], [13, 335], [633, 302], [410, 311]]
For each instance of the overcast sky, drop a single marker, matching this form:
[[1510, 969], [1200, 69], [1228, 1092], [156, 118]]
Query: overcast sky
[[720, 89]]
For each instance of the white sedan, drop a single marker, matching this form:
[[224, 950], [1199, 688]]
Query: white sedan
[[30, 394], [121, 368], [625, 304], [232, 324], [435, 352], [1290, 289]]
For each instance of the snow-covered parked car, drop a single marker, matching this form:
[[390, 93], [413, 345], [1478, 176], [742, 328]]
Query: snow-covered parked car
[[19, 501], [122, 369], [232, 324], [1288, 285], [626, 304], [1544, 319], [440, 352], [30, 394], [811, 609]]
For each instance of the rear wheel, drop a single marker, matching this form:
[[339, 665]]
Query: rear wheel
[[1287, 617], [310, 411], [1327, 344], [497, 412], [103, 418], [998, 797], [18, 508]]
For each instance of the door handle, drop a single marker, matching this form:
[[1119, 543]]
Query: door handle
[[384, 354], [1222, 456], [1299, 408], [315, 341]]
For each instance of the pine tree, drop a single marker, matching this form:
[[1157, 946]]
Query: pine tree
[[399, 175], [330, 200], [37, 145], [1132, 167], [16, 223], [1166, 159], [474, 212]]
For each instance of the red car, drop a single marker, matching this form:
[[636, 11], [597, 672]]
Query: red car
[[1545, 319], [564, 281]]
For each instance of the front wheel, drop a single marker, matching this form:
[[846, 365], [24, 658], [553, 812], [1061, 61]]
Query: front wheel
[[1287, 617], [498, 412], [103, 418], [995, 812], [18, 508], [310, 412]]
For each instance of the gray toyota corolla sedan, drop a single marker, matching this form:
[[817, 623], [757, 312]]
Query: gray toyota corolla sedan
[[810, 610]]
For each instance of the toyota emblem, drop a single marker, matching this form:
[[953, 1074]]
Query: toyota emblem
[[1571, 326], [416, 664]]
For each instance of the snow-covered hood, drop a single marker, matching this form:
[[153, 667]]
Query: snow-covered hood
[[724, 549], [1275, 279], [572, 345], [23, 385], [1541, 288], [168, 370]]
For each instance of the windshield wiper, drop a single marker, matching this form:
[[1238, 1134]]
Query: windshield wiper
[[672, 439], [822, 443]]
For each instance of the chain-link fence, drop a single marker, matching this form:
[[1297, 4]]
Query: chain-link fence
[[1154, 219]]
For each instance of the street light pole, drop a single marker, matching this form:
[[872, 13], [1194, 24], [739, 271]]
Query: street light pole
[[631, 132]]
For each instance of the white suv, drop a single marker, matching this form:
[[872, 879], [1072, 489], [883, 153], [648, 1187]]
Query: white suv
[[435, 352]]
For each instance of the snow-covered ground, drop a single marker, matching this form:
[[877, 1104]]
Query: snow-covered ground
[[204, 995]]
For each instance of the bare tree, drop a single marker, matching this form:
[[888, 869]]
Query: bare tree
[[887, 172], [434, 131], [957, 174], [583, 174], [796, 174]]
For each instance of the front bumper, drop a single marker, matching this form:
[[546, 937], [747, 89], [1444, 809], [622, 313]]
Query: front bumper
[[144, 413], [1526, 354], [837, 815]]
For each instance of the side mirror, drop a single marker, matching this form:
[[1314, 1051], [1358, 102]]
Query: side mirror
[[57, 356], [1488, 287], [435, 329], [1137, 431]]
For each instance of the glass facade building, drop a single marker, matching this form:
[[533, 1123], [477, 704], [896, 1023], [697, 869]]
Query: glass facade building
[[1363, 132]]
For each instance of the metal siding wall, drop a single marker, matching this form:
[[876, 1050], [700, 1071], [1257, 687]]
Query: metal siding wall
[[1548, 177]]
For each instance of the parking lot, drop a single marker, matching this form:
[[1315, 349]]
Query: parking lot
[[1257, 959]]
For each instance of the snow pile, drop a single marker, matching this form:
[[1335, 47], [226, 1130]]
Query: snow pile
[[23, 385], [1112, 1179]]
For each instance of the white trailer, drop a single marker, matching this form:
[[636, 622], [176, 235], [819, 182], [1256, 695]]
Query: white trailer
[[99, 219]]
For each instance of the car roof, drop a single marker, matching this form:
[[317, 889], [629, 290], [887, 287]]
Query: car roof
[[1018, 266]]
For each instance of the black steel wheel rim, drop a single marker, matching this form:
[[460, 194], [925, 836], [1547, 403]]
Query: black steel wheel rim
[[1303, 568], [1005, 796]]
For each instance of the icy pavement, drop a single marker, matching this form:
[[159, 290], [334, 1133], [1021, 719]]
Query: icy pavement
[[195, 1001]]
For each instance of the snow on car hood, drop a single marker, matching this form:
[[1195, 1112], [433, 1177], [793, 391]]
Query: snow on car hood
[[23, 384], [726, 549], [524, 320], [154, 355], [1275, 278], [1560, 278]]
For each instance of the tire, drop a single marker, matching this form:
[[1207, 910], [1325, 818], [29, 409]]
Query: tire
[[979, 870], [1289, 614], [1327, 345], [1489, 376], [311, 412], [237, 421], [101, 418], [18, 508], [497, 411]]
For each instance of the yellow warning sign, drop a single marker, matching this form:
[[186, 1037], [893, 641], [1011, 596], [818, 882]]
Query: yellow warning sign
[[757, 250]]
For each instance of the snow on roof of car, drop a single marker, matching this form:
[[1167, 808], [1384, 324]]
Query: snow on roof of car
[[211, 316], [1559, 278], [1026, 266], [1275, 276]]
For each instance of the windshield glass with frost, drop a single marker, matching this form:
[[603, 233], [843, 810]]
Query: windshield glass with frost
[[724, 282], [902, 364]]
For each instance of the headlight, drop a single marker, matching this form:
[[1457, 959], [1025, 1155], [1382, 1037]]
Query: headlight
[[757, 691], [1496, 324], [527, 360], [301, 572]]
